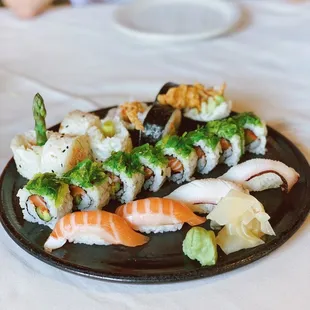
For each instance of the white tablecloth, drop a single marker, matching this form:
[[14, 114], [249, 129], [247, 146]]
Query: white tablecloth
[[76, 59]]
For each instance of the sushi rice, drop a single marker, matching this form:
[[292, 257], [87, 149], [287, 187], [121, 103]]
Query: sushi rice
[[55, 194], [153, 159], [88, 185], [102, 147], [129, 172], [78, 122], [252, 124], [231, 133], [63, 152], [27, 155], [180, 149]]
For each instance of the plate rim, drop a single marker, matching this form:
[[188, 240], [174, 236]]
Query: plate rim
[[195, 274], [235, 16]]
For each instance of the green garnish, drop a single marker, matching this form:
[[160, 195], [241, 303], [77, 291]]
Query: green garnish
[[200, 244], [248, 118], [200, 135], [124, 162], [85, 174], [153, 154], [39, 114], [226, 128], [108, 129], [179, 144], [48, 185]]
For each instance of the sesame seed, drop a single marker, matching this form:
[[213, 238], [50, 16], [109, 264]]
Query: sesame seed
[[53, 171], [63, 151], [67, 147], [20, 166], [61, 165], [67, 126]]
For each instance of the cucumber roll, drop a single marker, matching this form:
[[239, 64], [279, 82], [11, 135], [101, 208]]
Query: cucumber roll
[[231, 138], [182, 158], [255, 132], [126, 176], [111, 137], [199, 103], [156, 169], [62, 153], [208, 149], [45, 199], [77, 123], [88, 185]]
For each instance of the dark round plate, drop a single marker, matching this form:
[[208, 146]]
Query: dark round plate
[[162, 259]]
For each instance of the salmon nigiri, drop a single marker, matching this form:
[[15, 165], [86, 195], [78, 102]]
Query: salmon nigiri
[[158, 215], [93, 227]]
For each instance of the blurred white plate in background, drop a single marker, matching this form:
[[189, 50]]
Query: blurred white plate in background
[[176, 20]]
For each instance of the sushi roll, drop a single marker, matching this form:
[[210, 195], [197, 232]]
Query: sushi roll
[[126, 176], [111, 137], [77, 123], [27, 148], [62, 153], [45, 199], [231, 138], [27, 154], [93, 227], [255, 132], [158, 215], [208, 149], [182, 158], [156, 169], [199, 103], [88, 185], [133, 114], [260, 174], [160, 122]]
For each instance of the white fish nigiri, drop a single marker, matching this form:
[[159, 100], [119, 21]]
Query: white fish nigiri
[[203, 195], [261, 174]]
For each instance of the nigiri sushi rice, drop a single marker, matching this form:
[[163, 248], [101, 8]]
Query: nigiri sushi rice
[[255, 131], [126, 176], [93, 227], [182, 158], [45, 199], [158, 215], [78, 122], [156, 169], [63, 152], [27, 155], [208, 150], [102, 145], [231, 137], [89, 185]]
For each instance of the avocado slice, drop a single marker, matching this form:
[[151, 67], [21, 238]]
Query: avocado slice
[[43, 213]]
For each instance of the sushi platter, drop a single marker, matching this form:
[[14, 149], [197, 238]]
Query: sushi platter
[[151, 192]]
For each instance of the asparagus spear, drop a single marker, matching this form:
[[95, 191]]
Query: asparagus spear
[[39, 114]]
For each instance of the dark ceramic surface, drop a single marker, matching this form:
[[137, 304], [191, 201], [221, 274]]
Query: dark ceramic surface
[[161, 260]]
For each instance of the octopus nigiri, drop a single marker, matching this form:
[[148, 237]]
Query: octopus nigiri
[[158, 215], [93, 227], [203, 195], [260, 174]]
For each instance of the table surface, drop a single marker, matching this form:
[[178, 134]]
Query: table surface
[[77, 59]]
